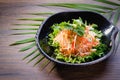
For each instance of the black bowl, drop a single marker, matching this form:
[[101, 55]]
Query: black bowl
[[108, 29]]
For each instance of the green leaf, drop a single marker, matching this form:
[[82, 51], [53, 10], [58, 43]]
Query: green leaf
[[30, 53], [108, 2], [42, 13], [23, 41], [77, 6], [27, 24], [116, 16], [24, 33], [96, 6], [38, 54], [25, 29], [80, 5], [27, 47], [39, 60], [105, 10], [32, 19]]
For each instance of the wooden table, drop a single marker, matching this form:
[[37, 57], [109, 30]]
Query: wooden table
[[12, 67]]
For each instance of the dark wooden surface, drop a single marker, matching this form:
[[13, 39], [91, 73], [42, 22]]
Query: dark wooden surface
[[12, 67]]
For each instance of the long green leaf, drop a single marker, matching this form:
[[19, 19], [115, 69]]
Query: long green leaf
[[79, 5], [25, 29], [39, 60], [76, 6], [23, 41], [38, 54], [24, 33], [27, 47], [27, 24], [108, 2], [30, 53], [32, 19], [116, 17], [96, 6], [42, 13]]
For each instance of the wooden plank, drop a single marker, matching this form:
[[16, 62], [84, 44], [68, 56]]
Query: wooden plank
[[13, 68]]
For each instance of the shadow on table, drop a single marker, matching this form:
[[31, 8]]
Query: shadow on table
[[90, 72]]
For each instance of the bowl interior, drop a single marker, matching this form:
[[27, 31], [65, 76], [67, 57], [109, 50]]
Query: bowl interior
[[91, 17]]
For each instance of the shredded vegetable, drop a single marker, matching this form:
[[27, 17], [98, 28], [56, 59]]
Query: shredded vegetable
[[76, 42]]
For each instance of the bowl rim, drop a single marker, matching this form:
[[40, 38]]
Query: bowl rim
[[76, 64]]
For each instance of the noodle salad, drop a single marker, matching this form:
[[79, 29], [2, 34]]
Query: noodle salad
[[76, 42]]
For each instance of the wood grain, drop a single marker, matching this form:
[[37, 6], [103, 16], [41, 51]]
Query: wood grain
[[12, 67]]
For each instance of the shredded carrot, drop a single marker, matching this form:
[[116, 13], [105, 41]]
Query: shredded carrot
[[72, 44]]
